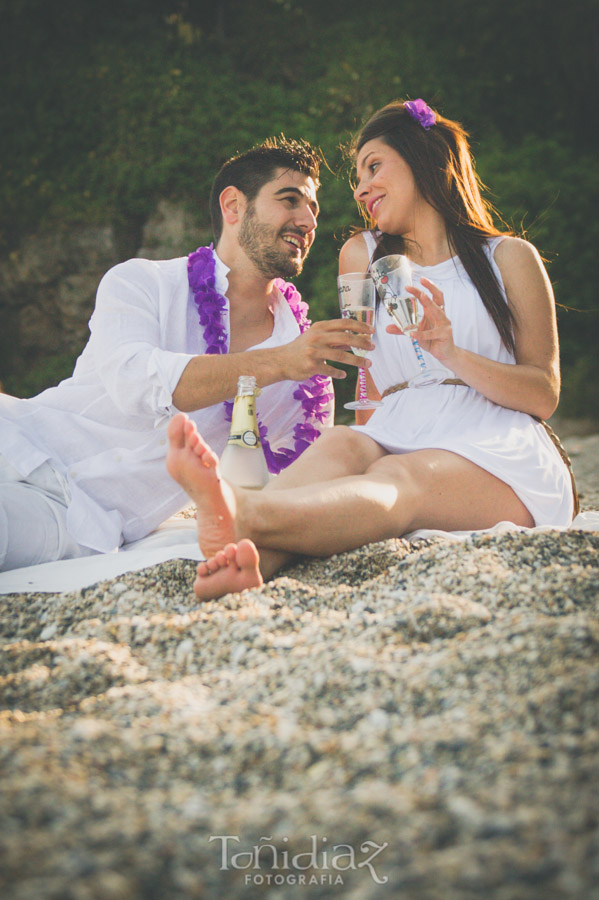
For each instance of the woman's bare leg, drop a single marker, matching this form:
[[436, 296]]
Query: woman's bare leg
[[337, 453], [399, 493]]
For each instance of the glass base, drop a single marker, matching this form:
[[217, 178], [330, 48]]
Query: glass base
[[427, 378], [363, 404]]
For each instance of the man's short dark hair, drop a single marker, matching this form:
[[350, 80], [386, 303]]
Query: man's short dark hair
[[249, 171]]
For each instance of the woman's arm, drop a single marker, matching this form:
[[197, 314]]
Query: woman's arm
[[533, 384]]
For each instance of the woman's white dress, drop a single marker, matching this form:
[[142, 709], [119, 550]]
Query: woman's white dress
[[511, 445]]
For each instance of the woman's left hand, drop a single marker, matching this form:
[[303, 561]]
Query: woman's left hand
[[434, 330]]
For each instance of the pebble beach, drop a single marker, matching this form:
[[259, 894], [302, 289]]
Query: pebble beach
[[407, 720]]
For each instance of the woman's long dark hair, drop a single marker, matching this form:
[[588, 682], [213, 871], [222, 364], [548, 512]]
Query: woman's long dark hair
[[443, 169]]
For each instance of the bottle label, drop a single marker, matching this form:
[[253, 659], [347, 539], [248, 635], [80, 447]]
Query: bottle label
[[245, 439], [244, 427]]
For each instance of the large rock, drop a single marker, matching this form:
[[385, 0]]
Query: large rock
[[47, 290], [48, 285], [172, 231]]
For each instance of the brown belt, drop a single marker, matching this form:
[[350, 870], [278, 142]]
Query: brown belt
[[553, 436], [405, 384]]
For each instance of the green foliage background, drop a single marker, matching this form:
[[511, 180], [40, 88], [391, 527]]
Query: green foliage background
[[107, 107]]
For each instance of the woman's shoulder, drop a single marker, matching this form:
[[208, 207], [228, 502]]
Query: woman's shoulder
[[508, 250], [355, 254], [520, 266]]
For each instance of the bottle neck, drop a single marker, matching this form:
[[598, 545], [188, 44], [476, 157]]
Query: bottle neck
[[246, 386]]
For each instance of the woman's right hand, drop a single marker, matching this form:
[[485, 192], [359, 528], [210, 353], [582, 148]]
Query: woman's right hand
[[434, 332]]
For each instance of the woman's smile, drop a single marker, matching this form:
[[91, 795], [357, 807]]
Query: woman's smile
[[373, 204]]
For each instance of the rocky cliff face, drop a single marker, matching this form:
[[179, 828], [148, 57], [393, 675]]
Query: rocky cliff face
[[48, 287]]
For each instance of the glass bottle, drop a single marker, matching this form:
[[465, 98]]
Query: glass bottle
[[242, 462]]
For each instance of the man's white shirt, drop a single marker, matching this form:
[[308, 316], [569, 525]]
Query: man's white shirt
[[104, 429]]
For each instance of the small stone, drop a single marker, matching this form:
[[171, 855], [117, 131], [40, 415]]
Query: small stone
[[184, 651], [89, 729], [237, 654], [468, 813], [119, 587], [378, 719], [48, 632]]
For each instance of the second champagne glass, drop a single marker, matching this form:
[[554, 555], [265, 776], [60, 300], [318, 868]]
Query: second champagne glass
[[392, 274], [357, 300]]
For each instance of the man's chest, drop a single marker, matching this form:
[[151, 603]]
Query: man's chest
[[247, 333]]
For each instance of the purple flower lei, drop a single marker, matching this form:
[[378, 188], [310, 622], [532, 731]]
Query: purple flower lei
[[421, 112], [313, 394]]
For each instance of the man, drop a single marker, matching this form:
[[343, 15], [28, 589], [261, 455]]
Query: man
[[82, 465]]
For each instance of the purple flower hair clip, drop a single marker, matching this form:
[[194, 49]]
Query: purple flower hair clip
[[421, 112]]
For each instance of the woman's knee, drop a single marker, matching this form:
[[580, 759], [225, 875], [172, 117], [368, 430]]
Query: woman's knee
[[399, 470], [343, 441]]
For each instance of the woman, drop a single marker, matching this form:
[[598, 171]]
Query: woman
[[454, 456]]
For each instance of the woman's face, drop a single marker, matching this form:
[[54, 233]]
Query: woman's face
[[386, 187]]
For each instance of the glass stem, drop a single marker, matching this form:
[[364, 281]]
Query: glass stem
[[362, 385], [419, 355]]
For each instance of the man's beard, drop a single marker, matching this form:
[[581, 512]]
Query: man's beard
[[259, 243]]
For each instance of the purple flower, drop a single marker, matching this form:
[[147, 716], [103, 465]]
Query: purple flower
[[200, 264], [316, 396], [213, 336], [297, 305], [278, 460], [321, 414], [303, 393], [314, 400], [210, 311], [306, 432], [421, 112]]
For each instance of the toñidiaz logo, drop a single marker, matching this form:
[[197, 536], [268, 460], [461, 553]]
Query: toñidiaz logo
[[271, 864]]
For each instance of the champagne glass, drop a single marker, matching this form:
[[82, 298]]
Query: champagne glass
[[392, 274], [357, 300]]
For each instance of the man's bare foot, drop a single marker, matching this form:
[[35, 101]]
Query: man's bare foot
[[233, 568], [194, 465]]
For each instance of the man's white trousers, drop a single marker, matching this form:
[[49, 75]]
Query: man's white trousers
[[33, 517]]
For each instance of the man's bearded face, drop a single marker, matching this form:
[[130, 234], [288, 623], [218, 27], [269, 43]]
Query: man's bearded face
[[266, 248]]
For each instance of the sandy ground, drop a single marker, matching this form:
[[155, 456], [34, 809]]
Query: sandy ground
[[405, 721]]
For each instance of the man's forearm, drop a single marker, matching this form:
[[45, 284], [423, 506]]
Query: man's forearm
[[210, 379], [207, 380]]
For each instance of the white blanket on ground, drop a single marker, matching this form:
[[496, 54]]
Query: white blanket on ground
[[174, 539], [177, 539]]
